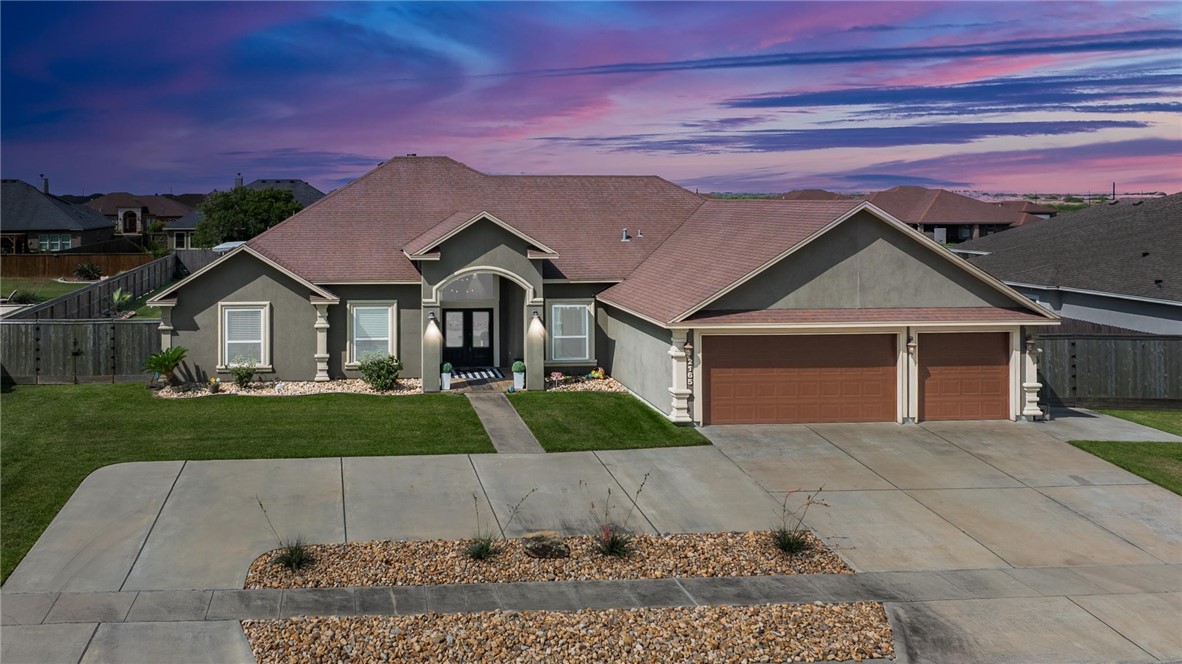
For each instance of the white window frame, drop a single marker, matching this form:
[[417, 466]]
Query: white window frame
[[264, 365], [54, 241], [589, 307], [178, 240], [352, 361]]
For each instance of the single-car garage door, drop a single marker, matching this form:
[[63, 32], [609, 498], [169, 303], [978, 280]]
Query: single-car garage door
[[964, 376], [787, 379]]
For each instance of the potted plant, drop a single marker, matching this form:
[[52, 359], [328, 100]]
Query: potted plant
[[215, 385], [165, 363], [445, 375], [518, 375]]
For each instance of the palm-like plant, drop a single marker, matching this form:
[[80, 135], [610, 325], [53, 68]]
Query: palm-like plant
[[119, 299], [165, 363]]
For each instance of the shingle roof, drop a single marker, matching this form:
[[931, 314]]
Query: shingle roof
[[26, 208], [900, 316], [185, 223], [724, 241], [159, 206], [1122, 248], [1026, 206], [357, 233], [919, 205], [304, 193]]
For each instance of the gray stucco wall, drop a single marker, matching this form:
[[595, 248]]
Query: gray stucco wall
[[512, 304], [244, 278], [483, 243], [863, 263], [1133, 314], [408, 339], [636, 353]]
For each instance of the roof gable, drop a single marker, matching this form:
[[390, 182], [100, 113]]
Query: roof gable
[[163, 297], [920, 205], [455, 224]]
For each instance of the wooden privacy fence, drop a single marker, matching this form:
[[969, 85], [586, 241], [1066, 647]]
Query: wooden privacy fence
[[94, 301], [63, 264], [191, 260], [1112, 371], [76, 351]]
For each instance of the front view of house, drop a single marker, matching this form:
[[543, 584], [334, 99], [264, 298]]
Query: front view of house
[[712, 311]]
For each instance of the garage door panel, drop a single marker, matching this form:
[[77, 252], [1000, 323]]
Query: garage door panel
[[964, 376], [796, 379]]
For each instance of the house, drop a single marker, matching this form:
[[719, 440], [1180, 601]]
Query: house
[[946, 216], [1028, 207], [811, 195], [180, 232], [135, 214], [34, 220], [1113, 265], [712, 311]]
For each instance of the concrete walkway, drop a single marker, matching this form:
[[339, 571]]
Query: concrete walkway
[[989, 541], [504, 426]]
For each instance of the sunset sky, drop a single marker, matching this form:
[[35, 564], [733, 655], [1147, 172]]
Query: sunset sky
[[772, 96]]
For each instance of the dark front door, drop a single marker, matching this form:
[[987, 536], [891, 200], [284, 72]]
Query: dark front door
[[468, 337]]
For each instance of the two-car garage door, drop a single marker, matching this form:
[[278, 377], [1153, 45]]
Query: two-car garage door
[[850, 378]]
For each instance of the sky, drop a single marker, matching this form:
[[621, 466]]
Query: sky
[[1021, 97]]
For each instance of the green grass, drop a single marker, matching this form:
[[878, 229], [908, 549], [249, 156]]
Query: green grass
[[142, 310], [1169, 421], [56, 435], [45, 289], [575, 421], [1160, 463]]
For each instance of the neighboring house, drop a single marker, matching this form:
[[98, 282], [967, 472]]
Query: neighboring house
[[1116, 265], [946, 216], [1028, 207], [180, 232], [811, 195], [33, 220], [713, 311], [134, 214]]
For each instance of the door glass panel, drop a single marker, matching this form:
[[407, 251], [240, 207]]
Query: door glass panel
[[480, 329], [453, 332]]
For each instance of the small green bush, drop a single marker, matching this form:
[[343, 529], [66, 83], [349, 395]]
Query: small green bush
[[380, 371], [446, 368], [243, 371], [482, 547], [789, 541], [294, 555], [88, 271], [612, 541], [165, 362], [519, 367], [26, 297]]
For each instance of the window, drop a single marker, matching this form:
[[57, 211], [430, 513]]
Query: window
[[53, 241], [570, 331], [245, 334], [372, 327], [178, 240]]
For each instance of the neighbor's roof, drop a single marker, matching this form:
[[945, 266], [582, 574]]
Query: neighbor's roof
[[724, 241], [26, 208], [919, 205], [1122, 248], [811, 195], [1027, 206], [159, 206], [185, 223], [358, 232]]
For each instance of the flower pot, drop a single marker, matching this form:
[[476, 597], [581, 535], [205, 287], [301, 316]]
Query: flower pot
[[519, 380], [445, 378], [214, 388]]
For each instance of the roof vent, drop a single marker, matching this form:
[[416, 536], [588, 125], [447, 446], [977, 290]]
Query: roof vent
[[624, 236], [411, 154], [1157, 282], [1144, 254], [639, 233]]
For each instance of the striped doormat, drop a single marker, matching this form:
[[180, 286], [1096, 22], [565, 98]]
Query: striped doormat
[[491, 373]]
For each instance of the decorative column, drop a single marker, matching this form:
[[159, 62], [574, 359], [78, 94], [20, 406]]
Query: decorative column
[[912, 412], [535, 346], [1030, 384], [321, 341], [680, 390], [165, 325]]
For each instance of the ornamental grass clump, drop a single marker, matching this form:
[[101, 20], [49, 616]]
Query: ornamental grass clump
[[294, 554], [613, 539], [790, 535], [485, 544]]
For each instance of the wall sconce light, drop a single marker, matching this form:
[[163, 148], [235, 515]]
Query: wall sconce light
[[536, 315], [911, 345], [431, 316], [1030, 343]]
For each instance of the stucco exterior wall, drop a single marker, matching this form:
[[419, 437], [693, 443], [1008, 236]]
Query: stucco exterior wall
[[636, 353], [244, 278], [863, 263], [1148, 317], [408, 338], [482, 244], [512, 332]]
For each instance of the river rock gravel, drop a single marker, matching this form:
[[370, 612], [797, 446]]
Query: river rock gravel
[[412, 563], [769, 633], [284, 388]]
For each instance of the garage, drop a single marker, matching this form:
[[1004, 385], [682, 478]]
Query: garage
[[964, 376], [787, 379]]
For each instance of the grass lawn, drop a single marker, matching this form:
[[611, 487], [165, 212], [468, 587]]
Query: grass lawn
[[1160, 463], [53, 436], [45, 289], [142, 310], [1169, 421], [574, 421]]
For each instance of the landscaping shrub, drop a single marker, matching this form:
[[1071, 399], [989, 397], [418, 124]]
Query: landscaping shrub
[[165, 363], [88, 271], [26, 297], [293, 554], [484, 544], [789, 534], [614, 540], [380, 371], [243, 371]]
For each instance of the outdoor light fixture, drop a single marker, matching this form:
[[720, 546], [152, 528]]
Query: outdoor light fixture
[[536, 314], [431, 316], [1029, 343], [911, 345]]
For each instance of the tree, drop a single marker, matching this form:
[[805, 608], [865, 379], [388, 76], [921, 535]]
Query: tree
[[242, 213]]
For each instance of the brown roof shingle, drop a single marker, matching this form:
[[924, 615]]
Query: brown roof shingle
[[896, 316], [920, 205], [159, 206]]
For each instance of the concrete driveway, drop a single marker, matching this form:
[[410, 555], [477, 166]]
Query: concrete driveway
[[1012, 545]]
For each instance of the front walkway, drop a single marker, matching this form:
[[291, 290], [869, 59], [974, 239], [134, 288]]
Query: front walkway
[[505, 428]]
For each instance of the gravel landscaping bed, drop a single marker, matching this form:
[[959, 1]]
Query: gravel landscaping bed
[[290, 389], [770, 633], [586, 385], [412, 563]]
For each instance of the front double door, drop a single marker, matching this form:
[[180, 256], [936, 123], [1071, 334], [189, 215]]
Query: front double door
[[468, 337]]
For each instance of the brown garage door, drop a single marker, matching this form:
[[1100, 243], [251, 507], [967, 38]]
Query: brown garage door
[[795, 379], [964, 376]]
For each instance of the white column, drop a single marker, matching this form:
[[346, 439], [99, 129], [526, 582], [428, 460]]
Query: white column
[[913, 350], [680, 389], [321, 341], [1030, 384], [165, 326]]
